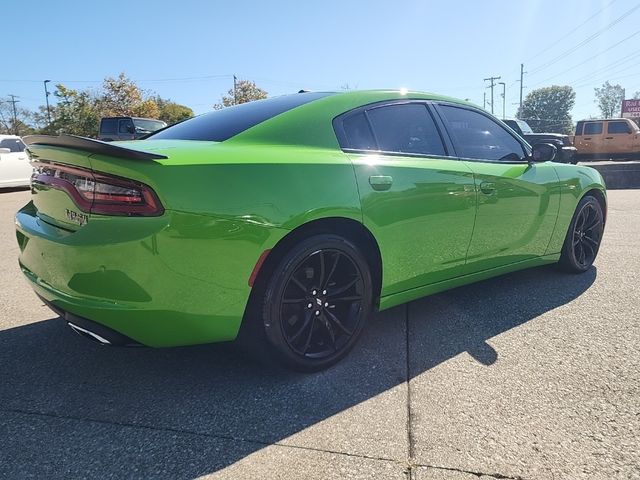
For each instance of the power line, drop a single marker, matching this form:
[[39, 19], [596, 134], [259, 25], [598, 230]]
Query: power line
[[612, 78], [591, 57], [606, 74], [571, 31], [150, 80], [585, 41]]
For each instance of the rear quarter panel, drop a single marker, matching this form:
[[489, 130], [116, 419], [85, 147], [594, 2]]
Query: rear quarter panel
[[575, 182], [277, 186]]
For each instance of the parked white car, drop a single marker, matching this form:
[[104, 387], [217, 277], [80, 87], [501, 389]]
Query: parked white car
[[15, 169]]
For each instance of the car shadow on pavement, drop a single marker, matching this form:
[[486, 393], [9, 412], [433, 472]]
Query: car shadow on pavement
[[71, 408]]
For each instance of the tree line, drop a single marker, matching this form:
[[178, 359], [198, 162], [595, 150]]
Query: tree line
[[548, 109], [78, 112]]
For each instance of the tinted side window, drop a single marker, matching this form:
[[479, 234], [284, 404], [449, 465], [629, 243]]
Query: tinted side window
[[125, 126], [579, 128], [358, 133], [109, 126], [618, 127], [406, 128], [477, 136], [13, 144], [593, 128]]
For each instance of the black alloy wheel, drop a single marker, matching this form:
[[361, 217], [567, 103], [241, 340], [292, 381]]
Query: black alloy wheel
[[317, 303], [584, 236]]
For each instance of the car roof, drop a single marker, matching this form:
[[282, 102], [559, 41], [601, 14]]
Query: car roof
[[134, 118], [604, 119], [392, 94], [292, 126]]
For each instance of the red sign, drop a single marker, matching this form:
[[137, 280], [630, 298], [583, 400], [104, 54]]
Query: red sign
[[630, 108]]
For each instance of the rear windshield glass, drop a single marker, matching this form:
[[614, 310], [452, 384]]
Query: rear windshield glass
[[144, 125], [223, 124]]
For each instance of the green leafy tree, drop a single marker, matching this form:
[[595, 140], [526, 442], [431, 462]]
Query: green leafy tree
[[636, 96], [172, 112], [548, 109], [79, 112], [609, 99], [121, 96], [76, 112], [246, 91]]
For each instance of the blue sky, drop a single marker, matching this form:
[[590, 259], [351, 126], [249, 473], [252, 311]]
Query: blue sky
[[446, 47]]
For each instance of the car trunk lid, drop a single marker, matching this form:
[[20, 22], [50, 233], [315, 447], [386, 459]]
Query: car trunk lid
[[66, 190]]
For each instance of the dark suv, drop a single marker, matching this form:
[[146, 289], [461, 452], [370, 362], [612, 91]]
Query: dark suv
[[566, 152], [127, 128]]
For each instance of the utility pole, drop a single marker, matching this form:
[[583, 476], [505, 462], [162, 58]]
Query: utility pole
[[15, 114], [491, 79], [504, 91], [521, 82], [46, 97], [235, 95]]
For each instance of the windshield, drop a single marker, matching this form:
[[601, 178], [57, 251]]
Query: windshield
[[144, 125], [524, 126]]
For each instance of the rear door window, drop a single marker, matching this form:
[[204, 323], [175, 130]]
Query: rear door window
[[125, 126], [406, 128], [358, 133], [593, 128]]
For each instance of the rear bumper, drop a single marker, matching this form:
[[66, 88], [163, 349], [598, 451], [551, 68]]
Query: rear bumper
[[179, 279]]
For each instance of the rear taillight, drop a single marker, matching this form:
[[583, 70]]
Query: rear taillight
[[97, 192]]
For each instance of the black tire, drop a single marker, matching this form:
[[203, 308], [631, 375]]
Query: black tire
[[297, 324], [584, 236]]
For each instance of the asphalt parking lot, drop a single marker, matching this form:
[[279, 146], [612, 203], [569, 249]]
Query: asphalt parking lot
[[533, 375]]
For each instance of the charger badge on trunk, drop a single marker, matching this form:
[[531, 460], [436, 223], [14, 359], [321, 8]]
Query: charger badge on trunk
[[76, 217]]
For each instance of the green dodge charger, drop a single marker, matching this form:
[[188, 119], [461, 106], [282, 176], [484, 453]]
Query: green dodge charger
[[284, 223]]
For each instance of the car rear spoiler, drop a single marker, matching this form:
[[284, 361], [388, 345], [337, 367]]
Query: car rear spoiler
[[90, 145]]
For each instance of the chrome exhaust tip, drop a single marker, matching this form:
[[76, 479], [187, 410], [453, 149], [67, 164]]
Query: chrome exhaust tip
[[86, 333]]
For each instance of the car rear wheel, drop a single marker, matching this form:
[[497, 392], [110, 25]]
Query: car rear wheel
[[584, 236], [316, 303]]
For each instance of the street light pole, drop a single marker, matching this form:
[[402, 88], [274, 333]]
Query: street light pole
[[235, 95], [504, 91], [46, 97]]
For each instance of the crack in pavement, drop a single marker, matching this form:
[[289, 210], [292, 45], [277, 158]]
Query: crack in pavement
[[408, 382], [470, 472], [410, 443], [202, 434], [408, 466]]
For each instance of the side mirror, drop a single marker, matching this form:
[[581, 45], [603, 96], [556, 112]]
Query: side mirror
[[5, 150], [131, 129], [543, 152]]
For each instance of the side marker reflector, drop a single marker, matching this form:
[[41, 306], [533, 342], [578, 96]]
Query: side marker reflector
[[256, 269]]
